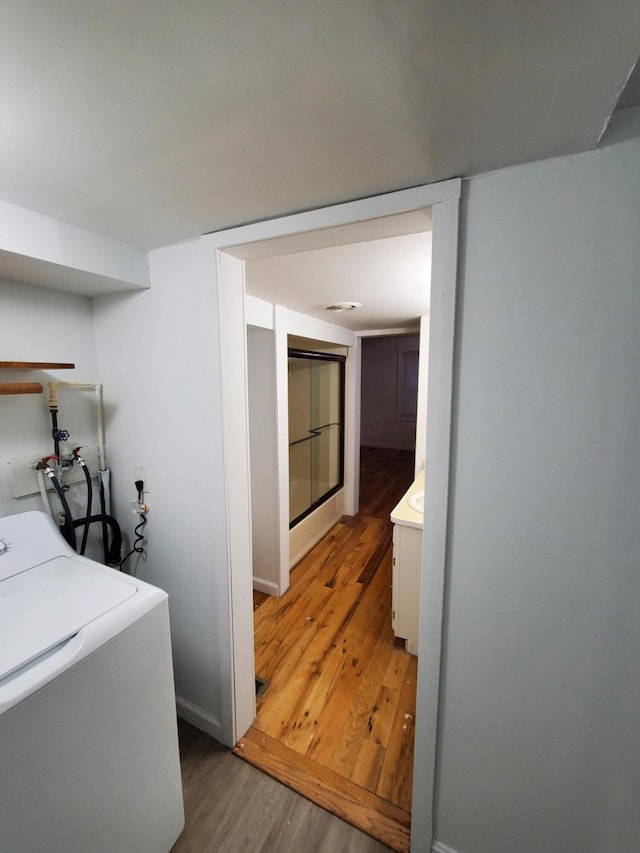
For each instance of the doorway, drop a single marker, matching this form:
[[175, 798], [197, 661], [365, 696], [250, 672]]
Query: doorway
[[231, 248], [337, 714]]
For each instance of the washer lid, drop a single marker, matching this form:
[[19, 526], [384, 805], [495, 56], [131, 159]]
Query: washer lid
[[28, 539], [44, 606]]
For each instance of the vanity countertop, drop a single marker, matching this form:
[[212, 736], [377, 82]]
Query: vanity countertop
[[404, 514]]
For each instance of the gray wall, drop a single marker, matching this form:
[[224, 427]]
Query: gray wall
[[379, 426], [540, 735]]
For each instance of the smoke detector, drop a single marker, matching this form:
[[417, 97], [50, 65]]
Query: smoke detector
[[344, 306]]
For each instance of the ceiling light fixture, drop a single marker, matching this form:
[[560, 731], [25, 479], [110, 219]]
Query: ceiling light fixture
[[344, 306]]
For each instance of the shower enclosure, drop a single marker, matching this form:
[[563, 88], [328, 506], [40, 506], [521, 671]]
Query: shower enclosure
[[316, 430]]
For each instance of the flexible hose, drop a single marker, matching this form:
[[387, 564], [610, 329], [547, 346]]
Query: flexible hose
[[54, 433], [138, 547], [85, 533], [113, 555], [68, 528], [103, 515]]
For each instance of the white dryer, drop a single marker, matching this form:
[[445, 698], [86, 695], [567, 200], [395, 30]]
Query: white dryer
[[88, 739]]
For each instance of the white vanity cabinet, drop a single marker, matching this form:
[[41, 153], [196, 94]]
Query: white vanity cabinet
[[407, 565]]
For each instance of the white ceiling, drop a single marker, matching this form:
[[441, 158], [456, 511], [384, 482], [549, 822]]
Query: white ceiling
[[155, 122], [390, 277]]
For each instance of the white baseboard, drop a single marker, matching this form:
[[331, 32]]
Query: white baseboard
[[313, 541], [198, 718], [439, 847], [311, 529], [262, 585]]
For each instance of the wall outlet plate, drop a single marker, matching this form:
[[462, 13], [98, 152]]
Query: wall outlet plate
[[140, 473]]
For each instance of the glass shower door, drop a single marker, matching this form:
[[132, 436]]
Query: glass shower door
[[316, 432]]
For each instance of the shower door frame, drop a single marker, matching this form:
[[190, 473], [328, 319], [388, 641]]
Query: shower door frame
[[293, 352]]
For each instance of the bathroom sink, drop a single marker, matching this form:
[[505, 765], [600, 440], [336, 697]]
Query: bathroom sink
[[416, 501]]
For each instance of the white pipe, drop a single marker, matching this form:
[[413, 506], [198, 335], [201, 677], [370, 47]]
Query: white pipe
[[43, 492], [102, 450], [103, 473], [105, 479]]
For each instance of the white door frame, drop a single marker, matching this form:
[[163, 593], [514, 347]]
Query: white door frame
[[238, 687]]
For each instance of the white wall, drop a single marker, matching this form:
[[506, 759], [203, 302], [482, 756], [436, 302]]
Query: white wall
[[268, 384], [539, 719], [265, 522], [158, 356], [379, 425], [37, 324], [47, 252], [539, 747]]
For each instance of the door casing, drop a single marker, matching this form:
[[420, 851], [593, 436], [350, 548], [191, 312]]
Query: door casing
[[238, 711]]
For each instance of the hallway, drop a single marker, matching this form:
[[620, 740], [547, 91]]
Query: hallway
[[336, 721]]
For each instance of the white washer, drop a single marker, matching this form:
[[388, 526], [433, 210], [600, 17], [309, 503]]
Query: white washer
[[88, 738]]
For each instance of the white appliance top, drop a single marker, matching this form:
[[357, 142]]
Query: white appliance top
[[43, 607], [28, 539], [56, 607]]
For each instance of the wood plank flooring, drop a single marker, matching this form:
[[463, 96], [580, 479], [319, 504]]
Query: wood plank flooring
[[230, 807], [337, 720]]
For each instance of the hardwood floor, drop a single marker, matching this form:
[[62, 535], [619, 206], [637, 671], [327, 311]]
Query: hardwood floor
[[385, 475], [336, 722]]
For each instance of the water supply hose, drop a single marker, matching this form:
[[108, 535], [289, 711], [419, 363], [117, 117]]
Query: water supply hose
[[113, 554], [67, 529], [105, 506], [87, 476], [53, 408]]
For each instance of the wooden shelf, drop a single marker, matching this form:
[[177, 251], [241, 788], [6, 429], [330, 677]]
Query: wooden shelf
[[29, 387], [36, 365], [20, 388]]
